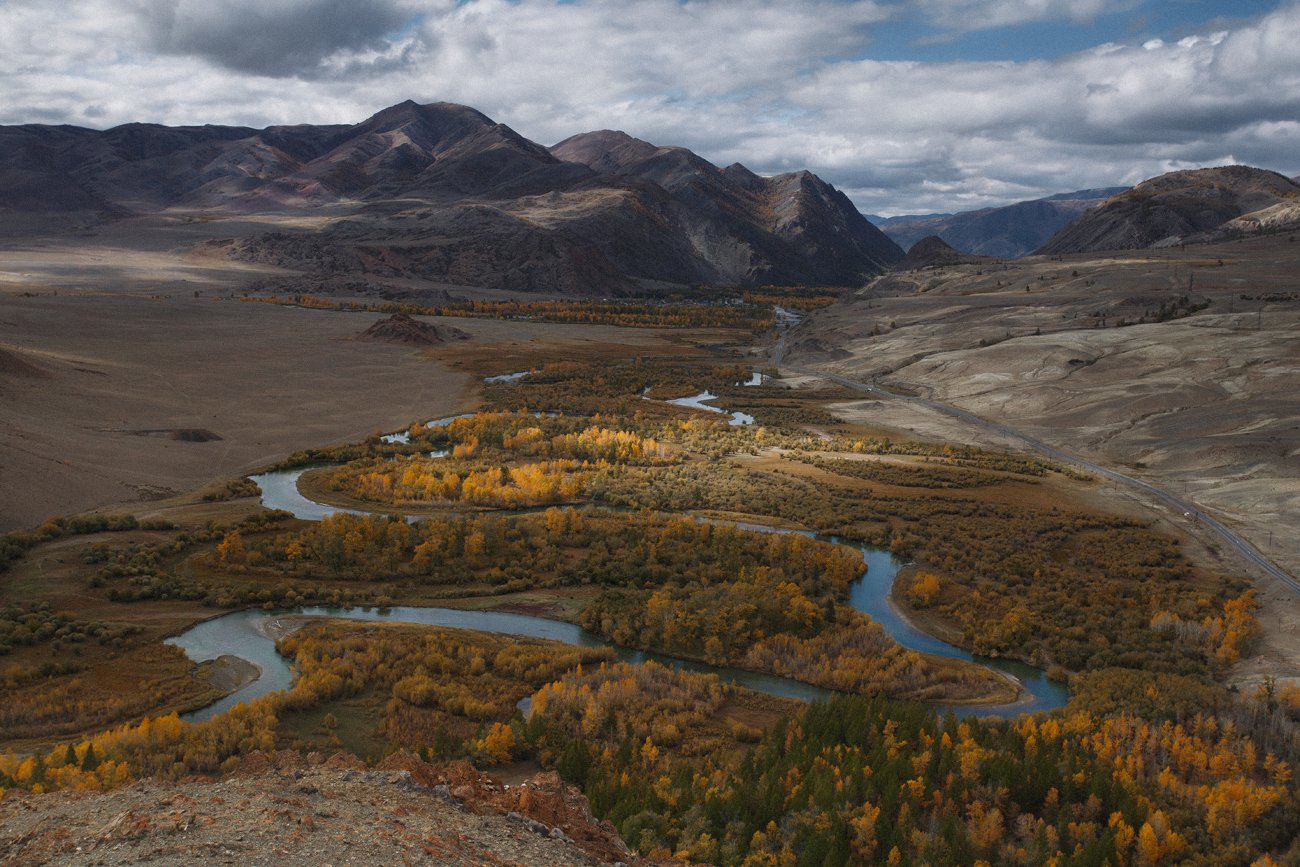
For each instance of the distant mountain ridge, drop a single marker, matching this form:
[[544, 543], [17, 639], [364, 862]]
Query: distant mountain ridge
[[737, 217], [444, 193], [1198, 205], [1007, 232]]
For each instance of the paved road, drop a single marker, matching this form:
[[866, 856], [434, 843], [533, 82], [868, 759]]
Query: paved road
[[1190, 510]]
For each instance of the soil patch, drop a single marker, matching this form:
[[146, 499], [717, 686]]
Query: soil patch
[[180, 434]]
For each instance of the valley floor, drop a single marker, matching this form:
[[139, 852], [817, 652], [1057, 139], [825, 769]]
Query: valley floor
[[1174, 366], [1012, 557]]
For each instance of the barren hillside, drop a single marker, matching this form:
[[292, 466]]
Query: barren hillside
[[1181, 207]]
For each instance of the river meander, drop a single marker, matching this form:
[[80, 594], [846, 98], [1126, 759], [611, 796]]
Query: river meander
[[248, 634]]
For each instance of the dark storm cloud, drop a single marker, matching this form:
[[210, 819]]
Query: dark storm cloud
[[278, 37]]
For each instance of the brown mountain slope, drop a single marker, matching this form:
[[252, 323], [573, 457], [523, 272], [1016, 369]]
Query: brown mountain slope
[[440, 192], [1188, 206], [789, 228]]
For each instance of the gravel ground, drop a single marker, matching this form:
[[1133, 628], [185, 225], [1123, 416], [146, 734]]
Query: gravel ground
[[333, 813]]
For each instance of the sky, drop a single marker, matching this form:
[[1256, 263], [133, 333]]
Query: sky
[[908, 106]]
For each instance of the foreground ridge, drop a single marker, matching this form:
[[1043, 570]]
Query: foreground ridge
[[285, 809]]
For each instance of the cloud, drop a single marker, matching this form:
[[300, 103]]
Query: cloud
[[774, 84], [1113, 114], [277, 38], [966, 15]]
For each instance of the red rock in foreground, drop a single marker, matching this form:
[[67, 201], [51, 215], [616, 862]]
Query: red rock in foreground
[[284, 809]]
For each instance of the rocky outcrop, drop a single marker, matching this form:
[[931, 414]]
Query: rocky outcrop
[[544, 804], [287, 809], [401, 328]]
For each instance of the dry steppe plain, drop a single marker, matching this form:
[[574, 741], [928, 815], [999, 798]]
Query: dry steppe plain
[[129, 369]]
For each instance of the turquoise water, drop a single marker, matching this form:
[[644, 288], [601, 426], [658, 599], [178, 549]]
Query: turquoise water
[[244, 633]]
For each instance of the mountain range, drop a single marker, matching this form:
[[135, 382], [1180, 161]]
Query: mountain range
[[1007, 232], [442, 193], [1188, 206]]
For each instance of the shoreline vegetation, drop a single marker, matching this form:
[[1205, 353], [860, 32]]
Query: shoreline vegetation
[[1152, 761]]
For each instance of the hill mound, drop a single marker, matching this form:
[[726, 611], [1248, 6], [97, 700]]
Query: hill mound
[[1183, 207], [12, 364], [400, 328], [928, 252]]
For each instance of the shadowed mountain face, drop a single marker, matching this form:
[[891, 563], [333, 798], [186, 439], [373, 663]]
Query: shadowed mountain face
[[1007, 232], [443, 193], [1185, 207], [791, 228]]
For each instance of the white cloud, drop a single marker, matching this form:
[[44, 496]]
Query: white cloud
[[776, 85], [986, 14]]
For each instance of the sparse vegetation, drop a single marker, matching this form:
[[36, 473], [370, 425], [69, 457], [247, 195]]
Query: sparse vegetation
[[630, 313]]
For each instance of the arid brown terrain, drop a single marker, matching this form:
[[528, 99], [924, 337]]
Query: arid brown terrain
[[130, 370], [290, 810], [110, 399]]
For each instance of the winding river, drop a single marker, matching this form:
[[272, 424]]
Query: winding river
[[249, 634], [698, 401]]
